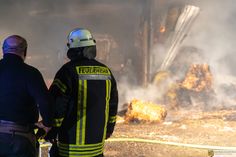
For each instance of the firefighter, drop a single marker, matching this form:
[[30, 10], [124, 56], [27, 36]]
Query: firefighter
[[22, 91], [86, 99]]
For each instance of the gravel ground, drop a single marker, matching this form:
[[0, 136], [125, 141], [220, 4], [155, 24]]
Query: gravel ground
[[217, 128], [133, 149]]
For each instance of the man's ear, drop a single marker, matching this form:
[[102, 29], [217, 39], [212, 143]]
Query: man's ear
[[25, 52]]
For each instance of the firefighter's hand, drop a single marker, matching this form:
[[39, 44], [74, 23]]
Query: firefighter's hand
[[42, 126], [40, 134], [52, 135]]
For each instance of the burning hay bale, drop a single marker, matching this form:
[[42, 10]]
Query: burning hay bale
[[198, 78], [145, 112], [195, 89]]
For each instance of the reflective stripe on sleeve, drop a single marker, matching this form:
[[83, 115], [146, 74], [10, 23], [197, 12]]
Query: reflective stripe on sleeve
[[112, 119], [57, 122], [60, 85]]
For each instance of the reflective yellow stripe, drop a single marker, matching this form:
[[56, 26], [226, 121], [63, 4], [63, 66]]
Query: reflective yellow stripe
[[108, 90], [83, 153], [76, 145], [79, 111], [84, 111], [66, 154], [81, 150], [80, 147], [60, 85], [57, 122], [112, 119]]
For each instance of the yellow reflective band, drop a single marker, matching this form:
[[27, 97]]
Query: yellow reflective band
[[85, 145], [112, 119], [76, 154], [108, 90], [78, 111], [81, 112], [60, 85], [57, 122], [99, 70], [80, 147], [94, 77], [84, 153], [86, 150], [84, 111]]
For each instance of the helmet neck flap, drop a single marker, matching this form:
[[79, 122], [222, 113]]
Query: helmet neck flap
[[88, 52]]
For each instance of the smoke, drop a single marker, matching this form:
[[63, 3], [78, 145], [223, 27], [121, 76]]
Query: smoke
[[214, 33], [212, 41], [46, 24]]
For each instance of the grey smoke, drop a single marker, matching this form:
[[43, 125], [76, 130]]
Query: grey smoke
[[45, 24], [214, 32]]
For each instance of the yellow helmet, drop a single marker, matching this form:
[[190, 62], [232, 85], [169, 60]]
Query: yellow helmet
[[80, 37]]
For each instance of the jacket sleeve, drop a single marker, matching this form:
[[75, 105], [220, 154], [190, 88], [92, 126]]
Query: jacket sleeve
[[113, 105], [38, 90], [59, 90]]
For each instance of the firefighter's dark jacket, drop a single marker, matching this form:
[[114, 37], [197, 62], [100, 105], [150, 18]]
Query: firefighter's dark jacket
[[22, 91], [86, 98]]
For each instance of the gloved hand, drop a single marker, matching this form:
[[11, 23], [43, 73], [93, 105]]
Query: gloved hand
[[42, 126], [42, 130], [52, 135], [40, 134], [52, 138]]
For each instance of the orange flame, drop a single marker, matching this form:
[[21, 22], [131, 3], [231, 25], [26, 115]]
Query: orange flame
[[145, 112], [162, 29]]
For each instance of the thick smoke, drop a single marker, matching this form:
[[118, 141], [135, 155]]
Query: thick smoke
[[214, 33], [211, 40], [45, 24]]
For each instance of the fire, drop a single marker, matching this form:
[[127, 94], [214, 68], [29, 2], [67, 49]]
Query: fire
[[198, 78], [194, 89], [162, 29], [145, 111], [196, 85]]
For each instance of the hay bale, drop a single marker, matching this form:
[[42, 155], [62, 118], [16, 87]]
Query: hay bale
[[145, 112]]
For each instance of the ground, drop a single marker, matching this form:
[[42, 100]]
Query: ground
[[214, 128]]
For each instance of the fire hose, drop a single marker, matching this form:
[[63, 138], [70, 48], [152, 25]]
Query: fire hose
[[140, 140], [197, 146], [212, 150]]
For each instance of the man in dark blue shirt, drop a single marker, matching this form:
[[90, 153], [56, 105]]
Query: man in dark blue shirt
[[22, 92]]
